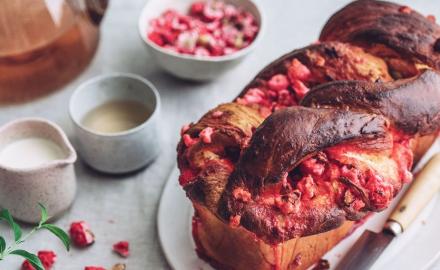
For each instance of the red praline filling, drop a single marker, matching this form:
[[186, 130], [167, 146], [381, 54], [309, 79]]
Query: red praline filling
[[280, 90], [206, 134], [187, 175], [325, 175]]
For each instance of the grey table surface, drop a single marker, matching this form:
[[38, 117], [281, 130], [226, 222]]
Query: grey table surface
[[124, 208]]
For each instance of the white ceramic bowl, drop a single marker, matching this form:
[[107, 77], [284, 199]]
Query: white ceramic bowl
[[124, 151], [188, 66]]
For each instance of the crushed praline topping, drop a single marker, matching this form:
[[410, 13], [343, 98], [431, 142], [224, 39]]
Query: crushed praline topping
[[205, 134], [188, 141], [217, 114], [234, 221], [211, 28], [241, 194], [280, 90]]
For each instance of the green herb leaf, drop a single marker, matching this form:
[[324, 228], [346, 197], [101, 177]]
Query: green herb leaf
[[58, 232], [44, 215], [2, 244], [5, 215], [32, 258]]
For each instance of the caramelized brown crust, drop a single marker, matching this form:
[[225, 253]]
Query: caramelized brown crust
[[288, 136], [412, 105], [405, 31], [328, 61]]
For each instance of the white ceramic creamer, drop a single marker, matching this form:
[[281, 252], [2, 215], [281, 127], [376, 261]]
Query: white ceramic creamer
[[36, 166]]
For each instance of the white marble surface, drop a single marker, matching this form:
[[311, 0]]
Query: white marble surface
[[131, 201]]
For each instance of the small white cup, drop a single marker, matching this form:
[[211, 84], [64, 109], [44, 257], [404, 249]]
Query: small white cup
[[120, 152]]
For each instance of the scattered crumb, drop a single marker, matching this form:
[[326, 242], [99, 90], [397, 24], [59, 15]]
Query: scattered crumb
[[80, 234], [119, 266], [122, 248]]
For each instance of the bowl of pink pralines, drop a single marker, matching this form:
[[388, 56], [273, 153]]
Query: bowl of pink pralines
[[200, 40]]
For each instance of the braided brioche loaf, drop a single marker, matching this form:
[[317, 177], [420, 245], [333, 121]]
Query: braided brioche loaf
[[320, 138]]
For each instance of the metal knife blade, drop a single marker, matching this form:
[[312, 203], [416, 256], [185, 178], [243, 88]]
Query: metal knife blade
[[365, 251]]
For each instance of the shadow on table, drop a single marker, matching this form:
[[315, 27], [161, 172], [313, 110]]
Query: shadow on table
[[95, 174], [162, 78]]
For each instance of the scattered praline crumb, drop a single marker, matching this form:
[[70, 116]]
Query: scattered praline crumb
[[119, 266], [80, 234], [122, 248]]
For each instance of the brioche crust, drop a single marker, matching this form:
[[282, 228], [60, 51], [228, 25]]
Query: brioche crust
[[388, 30], [412, 105], [233, 248]]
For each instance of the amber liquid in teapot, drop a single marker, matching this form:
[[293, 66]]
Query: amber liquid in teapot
[[43, 45]]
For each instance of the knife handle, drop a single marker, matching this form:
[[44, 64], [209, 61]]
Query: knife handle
[[425, 185]]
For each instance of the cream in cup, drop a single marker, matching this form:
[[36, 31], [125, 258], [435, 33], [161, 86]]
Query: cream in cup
[[115, 118], [36, 166]]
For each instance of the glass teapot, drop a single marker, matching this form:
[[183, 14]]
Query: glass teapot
[[44, 44]]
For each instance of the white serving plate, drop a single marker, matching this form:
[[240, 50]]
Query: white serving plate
[[417, 248]]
